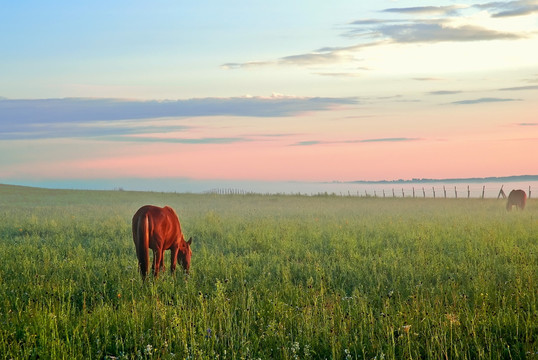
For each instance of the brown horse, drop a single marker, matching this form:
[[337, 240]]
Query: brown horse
[[159, 229], [517, 198]]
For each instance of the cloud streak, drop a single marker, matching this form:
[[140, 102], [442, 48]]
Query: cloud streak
[[378, 140], [80, 109], [429, 10], [385, 33], [520, 88], [482, 101], [501, 9], [419, 25], [430, 31], [188, 141], [445, 92], [322, 56], [79, 117]]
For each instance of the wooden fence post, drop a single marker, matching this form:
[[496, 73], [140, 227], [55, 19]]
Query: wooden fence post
[[433, 189], [423, 192], [468, 192], [501, 193], [529, 191], [444, 190], [483, 190]]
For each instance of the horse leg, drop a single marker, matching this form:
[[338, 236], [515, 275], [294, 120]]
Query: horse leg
[[157, 259], [161, 266], [173, 258], [153, 261]]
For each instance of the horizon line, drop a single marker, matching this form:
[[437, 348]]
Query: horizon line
[[430, 180]]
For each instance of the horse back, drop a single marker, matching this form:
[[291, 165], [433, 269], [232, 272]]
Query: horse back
[[163, 225], [518, 195], [517, 198]]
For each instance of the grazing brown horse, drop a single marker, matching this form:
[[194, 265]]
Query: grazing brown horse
[[517, 198], [159, 229]]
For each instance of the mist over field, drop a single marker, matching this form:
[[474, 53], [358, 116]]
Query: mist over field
[[450, 188]]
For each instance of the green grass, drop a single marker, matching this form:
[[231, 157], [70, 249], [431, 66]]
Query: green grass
[[282, 277]]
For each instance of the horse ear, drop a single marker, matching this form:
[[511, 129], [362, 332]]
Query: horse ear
[[190, 241]]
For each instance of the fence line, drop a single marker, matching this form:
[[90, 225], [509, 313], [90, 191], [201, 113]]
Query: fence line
[[228, 192], [411, 192]]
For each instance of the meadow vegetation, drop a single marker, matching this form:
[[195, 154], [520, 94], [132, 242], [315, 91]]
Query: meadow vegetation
[[272, 277]]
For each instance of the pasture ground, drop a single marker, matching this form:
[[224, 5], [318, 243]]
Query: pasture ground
[[272, 277]]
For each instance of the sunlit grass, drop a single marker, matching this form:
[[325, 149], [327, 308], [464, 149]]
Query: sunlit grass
[[283, 277]]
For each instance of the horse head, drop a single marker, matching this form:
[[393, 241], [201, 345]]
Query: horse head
[[184, 254]]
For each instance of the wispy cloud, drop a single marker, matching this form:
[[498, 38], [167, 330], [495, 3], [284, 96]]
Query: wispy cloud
[[486, 99], [362, 22], [76, 117], [322, 56], [528, 124], [309, 143], [376, 33], [80, 109], [319, 57], [232, 66], [510, 8], [397, 139], [67, 129], [421, 24], [173, 140], [520, 88], [434, 10], [378, 140], [431, 31], [482, 100], [445, 92]]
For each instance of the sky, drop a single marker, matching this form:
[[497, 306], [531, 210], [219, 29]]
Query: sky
[[267, 91]]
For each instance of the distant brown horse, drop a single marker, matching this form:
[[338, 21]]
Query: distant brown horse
[[517, 198], [159, 229]]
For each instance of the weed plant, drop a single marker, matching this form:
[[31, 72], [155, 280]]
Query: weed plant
[[272, 277]]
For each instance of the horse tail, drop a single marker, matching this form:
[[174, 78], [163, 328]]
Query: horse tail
[[142, 246]]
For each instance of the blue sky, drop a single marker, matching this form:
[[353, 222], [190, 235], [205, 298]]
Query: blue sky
[[136, 49], [253, 90]]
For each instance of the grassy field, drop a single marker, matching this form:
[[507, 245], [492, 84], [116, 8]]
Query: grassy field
[[281, 277]]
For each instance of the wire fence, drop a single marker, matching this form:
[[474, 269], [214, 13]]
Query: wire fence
[[386, 191], [444, 192]]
